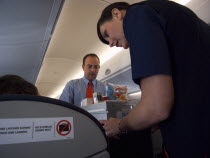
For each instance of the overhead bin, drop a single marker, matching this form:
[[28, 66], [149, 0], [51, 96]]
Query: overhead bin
[[117, 70], [118, 64], [25, 31]]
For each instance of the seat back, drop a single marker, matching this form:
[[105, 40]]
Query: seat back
[[34, 126]]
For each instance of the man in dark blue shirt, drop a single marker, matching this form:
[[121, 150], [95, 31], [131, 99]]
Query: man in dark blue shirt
[[170, 59]]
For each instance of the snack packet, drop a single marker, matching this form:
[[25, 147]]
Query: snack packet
[[116, 92]]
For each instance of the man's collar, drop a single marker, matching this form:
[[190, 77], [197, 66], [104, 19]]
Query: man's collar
[[86, 81]]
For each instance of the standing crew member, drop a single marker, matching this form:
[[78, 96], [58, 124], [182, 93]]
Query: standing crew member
[[170, 59]]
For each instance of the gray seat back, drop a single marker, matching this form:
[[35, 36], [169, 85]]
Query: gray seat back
[[34, 126]]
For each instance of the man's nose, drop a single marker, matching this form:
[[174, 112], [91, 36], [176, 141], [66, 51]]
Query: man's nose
[[92, 69]]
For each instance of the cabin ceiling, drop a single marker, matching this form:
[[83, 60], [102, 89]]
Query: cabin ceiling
[[74, 37]]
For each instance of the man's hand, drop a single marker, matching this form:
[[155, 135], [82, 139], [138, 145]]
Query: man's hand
[[111, 126]]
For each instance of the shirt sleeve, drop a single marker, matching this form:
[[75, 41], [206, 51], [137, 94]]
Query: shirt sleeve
[[104, 89], [144, 31], [68, 93]]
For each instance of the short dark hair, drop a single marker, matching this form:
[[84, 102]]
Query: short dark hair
[[13, 84], [106, 15], [92, 55]]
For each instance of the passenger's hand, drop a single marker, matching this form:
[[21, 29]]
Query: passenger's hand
[[111, 126]]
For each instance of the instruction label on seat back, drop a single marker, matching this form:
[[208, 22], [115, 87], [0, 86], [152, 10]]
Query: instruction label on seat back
[[24, 130]]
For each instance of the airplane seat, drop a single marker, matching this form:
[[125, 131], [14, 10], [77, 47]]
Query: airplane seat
[[41, 127]]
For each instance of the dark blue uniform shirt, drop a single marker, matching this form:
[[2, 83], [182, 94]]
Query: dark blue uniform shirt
[[167, 38]]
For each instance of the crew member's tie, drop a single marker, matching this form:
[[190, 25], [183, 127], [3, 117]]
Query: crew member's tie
[[89, 92]]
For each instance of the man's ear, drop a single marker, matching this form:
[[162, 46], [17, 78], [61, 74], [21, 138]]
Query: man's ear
[[83, 66], [116, 13]]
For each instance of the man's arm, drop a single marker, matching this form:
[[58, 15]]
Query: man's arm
[[67, 94], [155, 104]]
